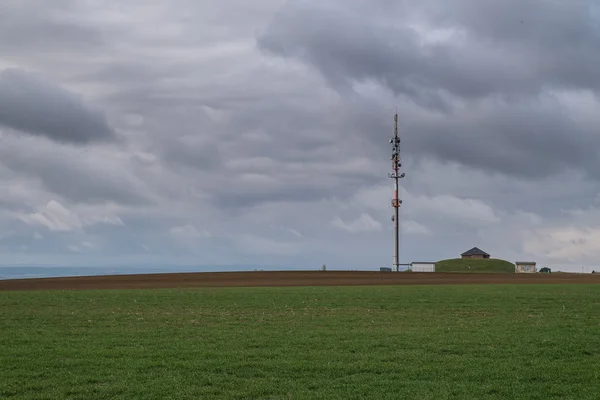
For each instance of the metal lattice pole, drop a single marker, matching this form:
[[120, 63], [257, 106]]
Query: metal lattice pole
[[395, 175]]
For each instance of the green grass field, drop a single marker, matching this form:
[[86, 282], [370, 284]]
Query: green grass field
[[413, 342], [475, 265]]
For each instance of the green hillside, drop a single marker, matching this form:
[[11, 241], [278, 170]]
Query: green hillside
[[474, 265]]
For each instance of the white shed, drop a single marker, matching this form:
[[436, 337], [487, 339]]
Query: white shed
[[423, 266], [527, 267]]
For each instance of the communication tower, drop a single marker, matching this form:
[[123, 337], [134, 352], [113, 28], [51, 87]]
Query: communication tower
[[395, 175]]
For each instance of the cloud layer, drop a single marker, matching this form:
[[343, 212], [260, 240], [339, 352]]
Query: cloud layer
[[30, 105], [179, 132]]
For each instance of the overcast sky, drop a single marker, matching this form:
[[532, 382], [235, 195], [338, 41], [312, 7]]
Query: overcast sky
[[257, 132]]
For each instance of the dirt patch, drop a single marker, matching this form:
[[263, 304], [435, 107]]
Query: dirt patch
[[287, 278]]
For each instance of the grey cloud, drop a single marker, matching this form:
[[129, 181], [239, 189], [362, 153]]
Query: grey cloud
[[130, 72], [546, 197], [514, 47], [555, 42], [33, 25], [309, 152], [482, 96], [284, 193], [229, 138], [185, 136], [191, 152], [28, 104], [80, 176], [520, 139]]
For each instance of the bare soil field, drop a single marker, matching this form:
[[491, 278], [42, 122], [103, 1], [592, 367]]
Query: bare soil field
[[288, 278]]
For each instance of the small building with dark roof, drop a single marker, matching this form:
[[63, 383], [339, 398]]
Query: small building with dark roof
[[475, 253]]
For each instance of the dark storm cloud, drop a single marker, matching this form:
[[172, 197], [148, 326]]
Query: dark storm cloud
[[29, 105], [486, 81]]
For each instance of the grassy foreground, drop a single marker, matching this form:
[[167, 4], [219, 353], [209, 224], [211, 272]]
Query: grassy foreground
[[475, 265], [416, 342]]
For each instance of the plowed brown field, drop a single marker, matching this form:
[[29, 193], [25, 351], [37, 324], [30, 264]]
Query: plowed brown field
[[287, 278]]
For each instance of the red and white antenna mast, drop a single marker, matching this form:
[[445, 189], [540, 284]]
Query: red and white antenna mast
[[395, 142]]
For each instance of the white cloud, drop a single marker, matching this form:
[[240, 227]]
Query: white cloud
[[103, 219], [53, 216], [464, 211], [567, 244], [56, 217], [287, 230], [75, 249], [364, 223], [374, 197], [412, 227], [188, 233], [259, 245], [467, 211]]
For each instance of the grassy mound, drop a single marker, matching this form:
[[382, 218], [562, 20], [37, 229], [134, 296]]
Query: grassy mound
[[474, 265]]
